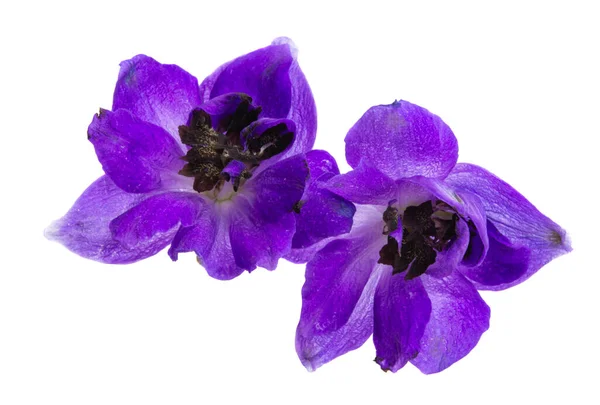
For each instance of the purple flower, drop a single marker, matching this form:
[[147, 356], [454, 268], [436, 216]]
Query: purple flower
[[218, 169], [427, 234]]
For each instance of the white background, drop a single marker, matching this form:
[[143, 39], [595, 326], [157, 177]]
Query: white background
[[517, 82]]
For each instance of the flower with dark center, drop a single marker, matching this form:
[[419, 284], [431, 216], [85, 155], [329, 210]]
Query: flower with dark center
[[427, 234], [220, 169]]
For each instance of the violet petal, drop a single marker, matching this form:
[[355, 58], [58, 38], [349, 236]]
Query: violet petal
[[315, 350], [321, 214], [336, 277], [272, 136], [85, 231], [402, 140], [254, 229], [274, 80], [155, 216], [469, 207], [401, 310], [459, 316], [277, 189], [303, 255], [209, 239], [163, 95], [255, 242], [222, 108], [514, 217], [503, 264], [363, 185], [135, 154]]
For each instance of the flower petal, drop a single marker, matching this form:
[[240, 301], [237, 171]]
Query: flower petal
[[253, 229], [514, 217], [221, 109], [364, 185], [402, 310], [469, 207], [322, 165], [136, 155], [255, 242], [85, 228], [155, 216], [335, 280], [269, 137], [322, 213], [503, 264], [315, 350], [459, 316], [163, 95], [303, 255], [209, 239], [402, 140], [274, 80], [278, 188]]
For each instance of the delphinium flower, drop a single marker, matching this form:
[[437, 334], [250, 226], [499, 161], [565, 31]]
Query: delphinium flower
[[219, 169], [428, 233]]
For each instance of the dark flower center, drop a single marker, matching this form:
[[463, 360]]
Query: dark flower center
[[426, 230], [229, 149]]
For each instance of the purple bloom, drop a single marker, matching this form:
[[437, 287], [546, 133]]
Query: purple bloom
[[427, 234], [218, 169]]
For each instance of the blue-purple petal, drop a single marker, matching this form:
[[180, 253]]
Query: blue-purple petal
[[315, 350], [514, 217], [470, 209], [279, 126], [322, 165], [402, 140], [209, 239], [277, 189], [163, 95], [85, 231], [322, 214], [401, 312], [459, 317], [303, 255], [254, 228], [336, 279], [135, 154], [503, 264], [157, 215], [274, 80], [222, 108], [364, 185], [255, 242], [233, 170]]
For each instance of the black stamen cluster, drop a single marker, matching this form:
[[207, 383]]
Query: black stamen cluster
[[215, 144], [424, 233]]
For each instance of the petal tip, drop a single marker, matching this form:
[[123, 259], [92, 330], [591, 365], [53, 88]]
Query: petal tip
[[128, 66], [562, 240], [52, 231], [308, 365], [383, 364], [287, 41], [308, 360], [173, 254]]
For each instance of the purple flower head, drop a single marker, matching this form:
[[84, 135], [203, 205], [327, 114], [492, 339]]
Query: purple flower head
[[218, 169], [427, 234]]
